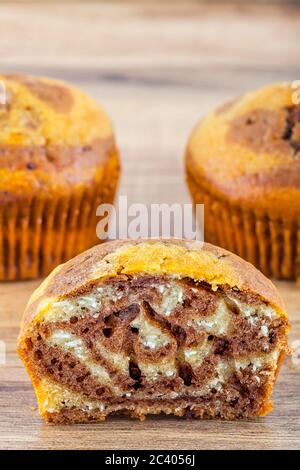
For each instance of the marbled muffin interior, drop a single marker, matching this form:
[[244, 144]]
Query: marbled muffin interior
[[145, 343]]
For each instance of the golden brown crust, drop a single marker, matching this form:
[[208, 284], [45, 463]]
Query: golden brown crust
[[248, 154], [56, 95], [42, 171], [55, 158], [207, 263], [52, 135], [267, 131], [265, 194]]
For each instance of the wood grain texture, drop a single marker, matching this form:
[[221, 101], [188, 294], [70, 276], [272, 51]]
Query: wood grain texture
[[157, 71], [21, 427]]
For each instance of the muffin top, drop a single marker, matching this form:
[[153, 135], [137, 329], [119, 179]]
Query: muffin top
[[248, 152], [52, 137], [201, 262]]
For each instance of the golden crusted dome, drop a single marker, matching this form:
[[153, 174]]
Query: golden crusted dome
[[248, 151], [51, 135], [41, 111]]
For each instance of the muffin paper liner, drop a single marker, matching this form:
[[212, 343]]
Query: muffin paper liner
[[39, 233], [273, 246]]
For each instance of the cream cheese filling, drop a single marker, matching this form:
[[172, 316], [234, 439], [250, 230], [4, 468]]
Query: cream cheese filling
[[172, 292], [75, 345], [172, 296], [195, 355], [150, 336], [117, 359], [217, 323]]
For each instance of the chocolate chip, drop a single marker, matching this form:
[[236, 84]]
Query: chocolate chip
[[233, 402], [137, 385], [189, 414], [134, 371], [296, 146], [272, 337], [179, 333], [81, 378], [185, 372], [38, 354], [293, 117], [107, 332], [31, 166], [221, 346]]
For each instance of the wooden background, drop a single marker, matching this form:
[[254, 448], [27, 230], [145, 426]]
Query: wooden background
[[156, 69]]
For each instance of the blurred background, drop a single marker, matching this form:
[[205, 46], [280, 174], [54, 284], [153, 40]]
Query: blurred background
[[156, 66]]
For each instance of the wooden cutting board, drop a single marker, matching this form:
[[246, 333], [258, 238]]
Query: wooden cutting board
[[156, 70], [21, 427]]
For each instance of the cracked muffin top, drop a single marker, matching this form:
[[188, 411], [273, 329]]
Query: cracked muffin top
[[248, 151], [51, 135]]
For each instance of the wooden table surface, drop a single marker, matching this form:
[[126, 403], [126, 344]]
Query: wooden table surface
[[156, 70]]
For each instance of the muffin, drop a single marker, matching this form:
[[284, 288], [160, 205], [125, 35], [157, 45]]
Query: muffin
[[58, 161], [243, 163], [151, 326]]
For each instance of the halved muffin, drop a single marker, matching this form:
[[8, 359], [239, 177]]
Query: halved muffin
[[58, 162], [144, 327], [243, 164]]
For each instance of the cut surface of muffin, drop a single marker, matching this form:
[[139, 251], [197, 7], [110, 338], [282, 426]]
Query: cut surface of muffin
[[243, 163], [58, 162], [154, 326]]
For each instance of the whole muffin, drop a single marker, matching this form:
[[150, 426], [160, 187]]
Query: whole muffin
[[151, 326], [58, 162], [243, 163]]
